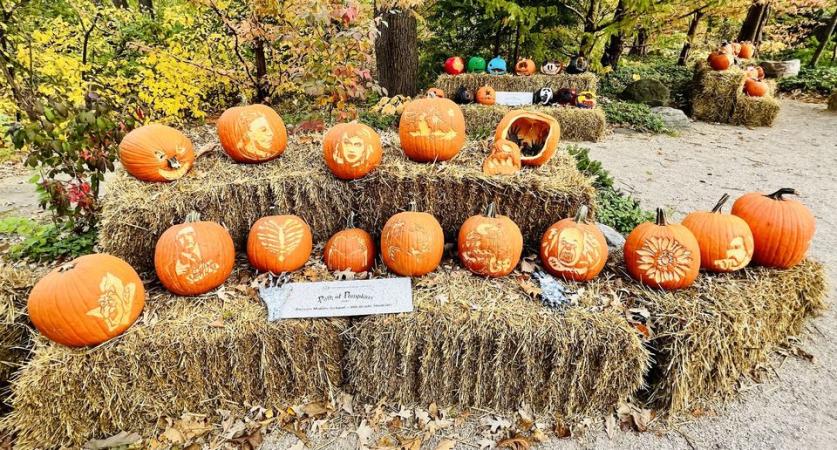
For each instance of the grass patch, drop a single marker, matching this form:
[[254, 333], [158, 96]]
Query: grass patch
[[636, 116], [822, 80], [677, 78]]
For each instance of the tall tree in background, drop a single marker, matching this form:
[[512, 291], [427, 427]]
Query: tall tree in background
[[824, 43], [753, 23], [396, 48]]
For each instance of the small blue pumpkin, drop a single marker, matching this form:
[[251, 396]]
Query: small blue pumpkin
[[497, 66]]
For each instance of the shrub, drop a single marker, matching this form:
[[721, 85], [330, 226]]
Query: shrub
[[677, 78], [45, 242], [634, 115], [822, 80]]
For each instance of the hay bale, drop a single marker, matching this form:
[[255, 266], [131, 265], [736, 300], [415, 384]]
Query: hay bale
[[577, 124], [474, 342], [832, 101], [15, 344], [136, 213], [755, 111], [183, 355], [718, 97], [513, 83]]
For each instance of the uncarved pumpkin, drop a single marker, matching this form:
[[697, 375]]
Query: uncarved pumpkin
[[489, 244], [782, 227], [755, 88], [535, 133], [279, 244], [350, 249], [747, 50], [156, 153], [252, 134], [662, 255], [574, 248], [725, 240], [525, 67], [486, 95], [431, 129], [719, 60], [503, 160], [87, 301], [412, 243], [352, 150], [194, 257]]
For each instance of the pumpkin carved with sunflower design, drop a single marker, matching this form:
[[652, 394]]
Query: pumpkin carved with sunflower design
[[662, 255]]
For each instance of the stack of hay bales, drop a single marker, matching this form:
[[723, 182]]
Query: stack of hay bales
[[718, 96], [15, 284], [513, 83]]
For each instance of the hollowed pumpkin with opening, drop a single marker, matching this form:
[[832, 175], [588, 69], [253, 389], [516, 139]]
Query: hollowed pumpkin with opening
[[87, 301], [194, 257], [574, 248], [535, 133], [490, 244], [525, 67], [755, 88], [350, 249], [252, 134], [662, 255], [782, 227], [431, 129], [156, 153], [412, 243], [486, 95], [503, 160], [352, 150], [279, 243], [725, 240], [435, 93], [454, 65]]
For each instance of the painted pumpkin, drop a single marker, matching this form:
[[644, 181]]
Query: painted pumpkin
[[782, 227], [747, 50], [194, 257], [486, 95], [87, 301], [435, 93], [352, 150], [585, 100], [719, 60], [279, 244], [431, 129], [463, 96], [412, 243], [552, 68], [454, 65], [476, 64], [755, 88], [489, 244], [252, 134], [503, 160], [350, 249], [544, 96], [525, 67], [662, 255], [566, 96], [156, 153], [497, 66], [577, 65], [535, 133], [574, 248], [725, 240]]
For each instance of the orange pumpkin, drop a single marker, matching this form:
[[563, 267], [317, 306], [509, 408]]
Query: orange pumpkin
[[490, 245], [252, 134], [194, 257], [503, 160], [435, 93], [351, 249], [755, 88], [486, 95], [782, 227], [747, 50], [87, 301], [412, 243], [279, 244], [352, 150], [662, 255], [574, 248], [431, 129], [525, 67], [725, 240], [719, 60], [535, 133], [156, 153]]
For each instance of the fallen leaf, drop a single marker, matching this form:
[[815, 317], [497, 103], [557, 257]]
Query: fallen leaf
[[516, 443], [217, 323], [527, 265], [345, 401], [364, 434], [610, 425], [446, 444], [495, 423], [529, 287], [315, 409], [344, 274], [120, 439], [413, 443], [539, 436], [561, 429], [485, 443]]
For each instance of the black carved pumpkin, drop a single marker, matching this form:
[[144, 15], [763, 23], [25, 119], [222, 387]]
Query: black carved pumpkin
[[463, 96], [565, 96], [544, 96], [577, 65]]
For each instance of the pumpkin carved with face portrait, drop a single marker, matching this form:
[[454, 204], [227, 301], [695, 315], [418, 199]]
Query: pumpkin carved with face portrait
[[156, 153], [351, 150], [574, 248], [535, 133], [252, 134], [725, 240], [503, 160], [431, 129]]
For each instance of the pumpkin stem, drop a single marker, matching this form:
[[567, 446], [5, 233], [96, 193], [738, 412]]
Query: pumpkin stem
[[720, 204], [491, 211], [661, 217], [413, 206], [581, 214], [193, 217], [784, 191], [350, 221]]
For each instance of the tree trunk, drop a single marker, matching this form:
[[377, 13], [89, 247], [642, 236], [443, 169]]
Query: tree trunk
[[396, 53], [760, 28], [614, 48], [690, 36], [640, 47], [821, 48], [753, 20], [498, 37], [120, 3], [147, 6], [516, 56], [262, 88]]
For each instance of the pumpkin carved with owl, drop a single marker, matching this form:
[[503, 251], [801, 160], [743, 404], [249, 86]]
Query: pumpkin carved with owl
[[252, 134], [279, 243]]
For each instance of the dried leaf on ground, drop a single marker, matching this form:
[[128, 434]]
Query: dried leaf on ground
[[120, 439], [446, 444], [516, 443]]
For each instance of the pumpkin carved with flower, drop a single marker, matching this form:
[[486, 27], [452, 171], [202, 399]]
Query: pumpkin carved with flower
[[662, 255]]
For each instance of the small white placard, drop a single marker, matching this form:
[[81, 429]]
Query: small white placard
[[338, 298], [514, 98]]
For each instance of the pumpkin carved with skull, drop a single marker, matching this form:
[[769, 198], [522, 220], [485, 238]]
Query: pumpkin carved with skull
[[486, 95], [503, 160], [489, 244], [351, 150], [412, 243], [351, 249], [431, 129], [252, 134], [574, 248], [535, 133], [156, 153], [662, 255]]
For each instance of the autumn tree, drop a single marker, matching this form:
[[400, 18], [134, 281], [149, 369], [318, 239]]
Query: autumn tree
[[396, 48]]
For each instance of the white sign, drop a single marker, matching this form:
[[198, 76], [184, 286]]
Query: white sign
[[338, 298], [514, 98]]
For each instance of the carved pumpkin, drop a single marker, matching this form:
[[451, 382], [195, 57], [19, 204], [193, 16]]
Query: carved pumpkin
[[719, 60], [747, 50], [552, 68], [352, 150], [535, 133], [574, 248], [194, 257], [755, 88], [252, 134], [351, 249], [486, 95], [544, 96], [87, 301], [463, 96], [736, 48], [412, 243], [156, 153], [577, 65], [497, 66], [432, 129], [476, 64], [503, 160], [782, 227], [725, 240], [279, 244], [565, 96], [585, 100], [662, 255], [454, 65], [435, 93], [525, 67], [489, 244]]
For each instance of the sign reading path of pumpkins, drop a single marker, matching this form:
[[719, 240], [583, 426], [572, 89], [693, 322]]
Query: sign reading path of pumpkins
[[514, 98], [338, 298]]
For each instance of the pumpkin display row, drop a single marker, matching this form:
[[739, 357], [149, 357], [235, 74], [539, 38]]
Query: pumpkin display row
[[455, 65], [487, 95]]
